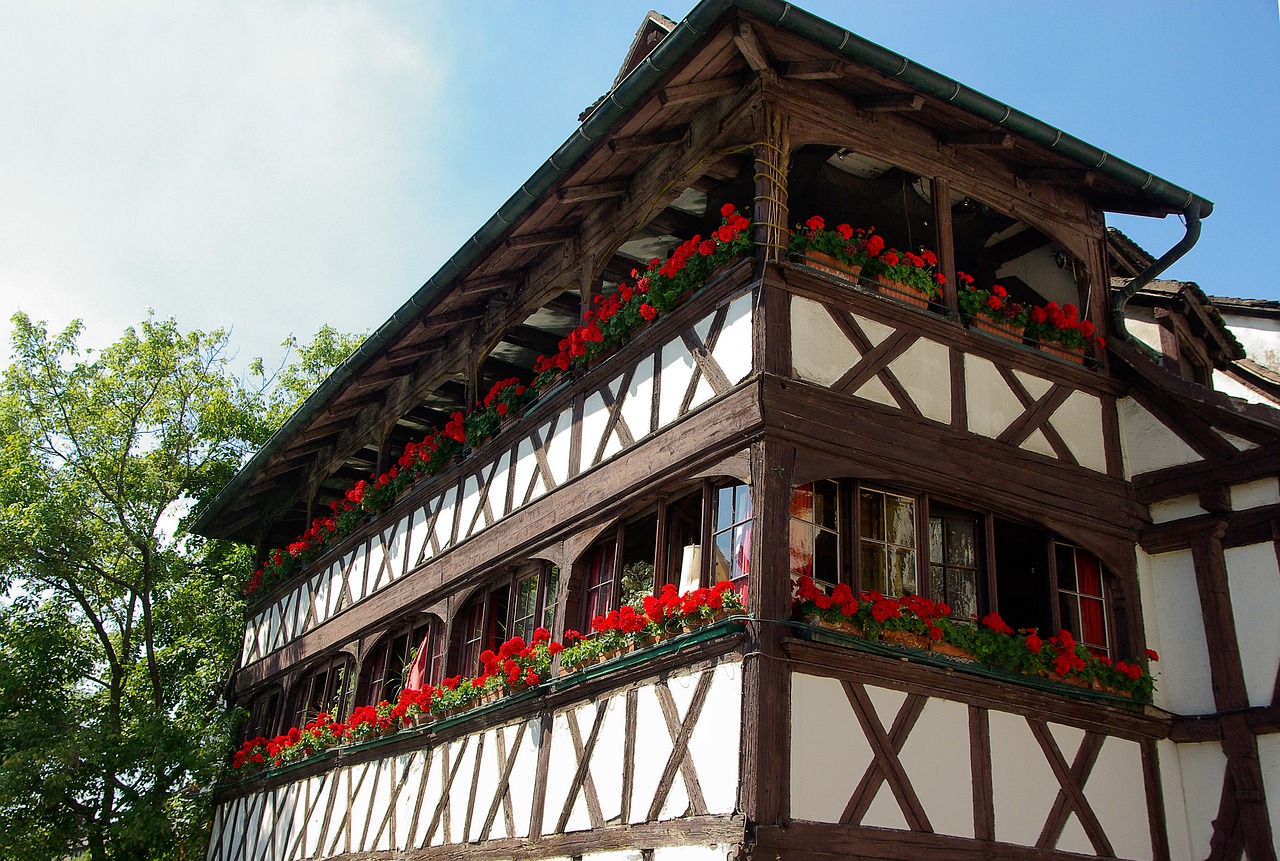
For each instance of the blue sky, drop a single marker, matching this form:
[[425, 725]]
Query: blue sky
[[269, 167]]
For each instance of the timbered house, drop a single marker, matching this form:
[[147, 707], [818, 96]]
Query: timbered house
[[783, 419]]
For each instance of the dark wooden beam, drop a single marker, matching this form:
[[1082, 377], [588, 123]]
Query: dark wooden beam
[[651, 140], [491, 283], [533, 339], [1015, 246], [890, 102], [812, 70], [750, 48], [540, 238], [448, 319], [593, 191], [1059, 175], [978, 140], [697, 91]]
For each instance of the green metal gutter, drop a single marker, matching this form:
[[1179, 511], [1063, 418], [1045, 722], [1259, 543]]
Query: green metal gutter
[[630, 92]]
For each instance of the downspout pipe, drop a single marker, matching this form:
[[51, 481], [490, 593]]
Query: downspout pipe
[[1146, 276]]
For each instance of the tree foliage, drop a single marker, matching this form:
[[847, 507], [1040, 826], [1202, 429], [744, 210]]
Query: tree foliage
[[119, 629]]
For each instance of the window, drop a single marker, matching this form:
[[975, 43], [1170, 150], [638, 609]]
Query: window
[[887, 542], [264, 714], [815, 532], [599, 580], [974, 562], [323, 687], [1082, 606], [515, 605], [953, 561], [386, 669], [731, 539]]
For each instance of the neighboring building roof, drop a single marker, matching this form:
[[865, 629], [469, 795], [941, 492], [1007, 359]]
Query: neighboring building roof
[[387, 368], [1198, 306]]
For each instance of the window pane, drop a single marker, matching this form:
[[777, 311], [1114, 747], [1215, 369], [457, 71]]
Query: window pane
[[801, 549], [904, 572], [1066, 559], [802, 502], [549, 611], [742, 550], [938, 582], [826, 563], [874, 568], [826, 495], [741, 503], [960, 545], [1069, 611], [724, 508], [872, 515], [935, 540], [722, 561], [902, 521], [963, 595], [1089, 578]]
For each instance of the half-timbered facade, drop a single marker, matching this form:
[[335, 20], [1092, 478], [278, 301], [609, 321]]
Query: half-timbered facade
[[783, 419]]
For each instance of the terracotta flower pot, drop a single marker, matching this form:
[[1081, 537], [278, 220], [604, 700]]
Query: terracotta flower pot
[[826, 263], [940, 648], [846, 626], [1062, 351], [905, 638], [902, 292], [1009, 331]]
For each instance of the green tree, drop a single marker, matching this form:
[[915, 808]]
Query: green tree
[[118, 629]]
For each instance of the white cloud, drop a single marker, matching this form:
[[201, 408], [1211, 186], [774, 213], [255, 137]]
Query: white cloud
[[226, 163]]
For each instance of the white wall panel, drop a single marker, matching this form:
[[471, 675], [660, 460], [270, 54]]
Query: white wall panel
[[1115, 790], [823, 775], [733, 348], [924, 370], [1023, 785], [1079, 422], [1254, 580], [717, 738], [992, 405], [1269, 759], [1146, 442], [1175, 629], [1203, 767], [820, 352], [935, 762]]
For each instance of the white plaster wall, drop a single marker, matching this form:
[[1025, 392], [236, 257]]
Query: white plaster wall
[[1146, 442], [1175, 629], [1203, 766], [1264, 491], [733, 348], [924, 370], [1146, 332], [820, 352], [1023, 785], [1228, 386], [1079, 422], [1175, 509], [944, 784], [1115, 790], [1260, 337], [1175, 808], [1254, 580], [992, 405], [829, 752]]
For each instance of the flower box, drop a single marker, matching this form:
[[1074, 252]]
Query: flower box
[[824, 262], [1008, 331], [903, 292], [910, 639], [1064, 352]]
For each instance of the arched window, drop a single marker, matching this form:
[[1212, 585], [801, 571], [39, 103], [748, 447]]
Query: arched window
[[322, 687], [516, 604], [386, 668]]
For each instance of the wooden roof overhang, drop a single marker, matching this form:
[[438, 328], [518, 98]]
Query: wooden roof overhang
[[515, 288]]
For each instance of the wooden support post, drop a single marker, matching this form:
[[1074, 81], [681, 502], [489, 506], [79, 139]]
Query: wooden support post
[[945, 238], [766, 680], [772, 153]]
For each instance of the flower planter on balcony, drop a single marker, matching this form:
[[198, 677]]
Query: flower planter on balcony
[[1010, 332], [1062, 351], [826, 263], [903, 292], [909, 639]]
